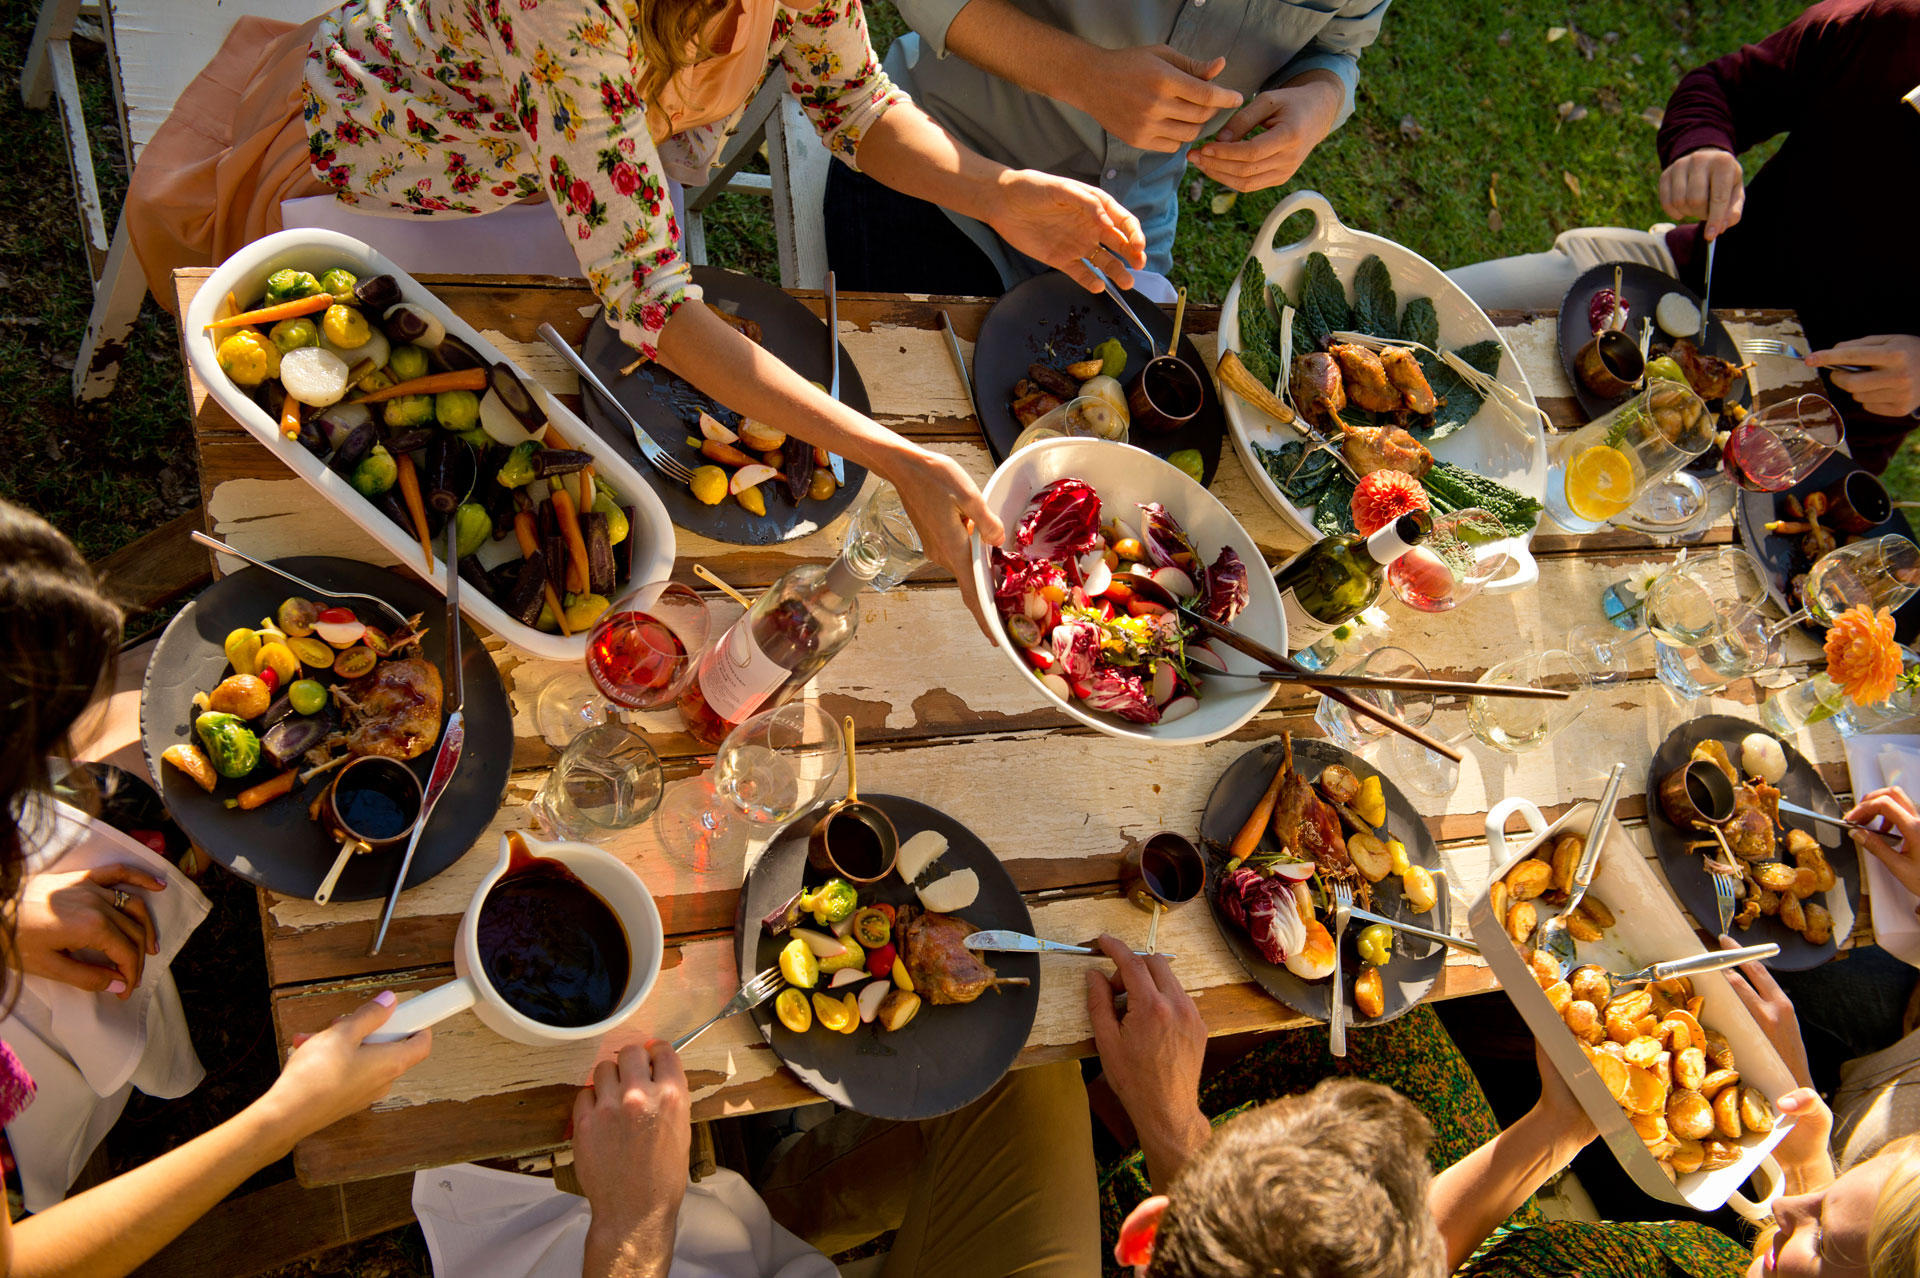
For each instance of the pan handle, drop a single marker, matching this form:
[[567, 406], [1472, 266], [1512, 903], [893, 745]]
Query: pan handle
[[1523, 570]]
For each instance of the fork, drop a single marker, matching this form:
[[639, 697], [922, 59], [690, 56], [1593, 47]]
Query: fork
[[1723, 885], [663, 461], [1337, 1012], [752, 994], [1787, 350], [221, 546]]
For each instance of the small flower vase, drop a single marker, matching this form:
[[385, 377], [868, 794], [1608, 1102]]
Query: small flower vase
[[1804, 704], [1903, 704]]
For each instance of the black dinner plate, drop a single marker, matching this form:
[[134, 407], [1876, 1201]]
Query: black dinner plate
[[1644, 287], [276, 845], [1050, 319], [1416, 961], [669, 408], [1783, 557], [1689, 878], [946, 1057]]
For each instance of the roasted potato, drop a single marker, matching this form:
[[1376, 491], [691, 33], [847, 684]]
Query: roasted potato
[[1582, 926], [1718, 1153], [1643, 1051], [1774, 876], [1710, 1085], [1339, 784], [1633, 1003], [1646, 1091], [1610, 1048], [1370, 855], [1369, 994], [1677, 988], [1719, 1051], [1689, 1116], [1726, 1113], [1756, 1115], [1613, 1073], [1686, 1031], [1805, 883], [1596, 907], [1559, 994], [1688, 1158], [1651, 1128], [1529, 879], [1818, 928], [1544, 970], [1500, 899], [1591, 983], [1566, 858], [1792, 913], [1690, 1069], [1520, 921], [1809, 855], [193, 761], [1583, 1018]]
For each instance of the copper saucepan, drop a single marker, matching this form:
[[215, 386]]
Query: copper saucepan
[[854, 840]]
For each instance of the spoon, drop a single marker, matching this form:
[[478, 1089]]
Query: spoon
[[1554, 938], [1710, 962], [1179, 318], [304, 584], [846, 731]]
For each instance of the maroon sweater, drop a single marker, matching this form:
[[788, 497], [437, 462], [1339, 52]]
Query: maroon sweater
[[1831, 226]]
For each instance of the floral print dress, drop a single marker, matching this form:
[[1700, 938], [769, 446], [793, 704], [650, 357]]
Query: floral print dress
[[465, 106]]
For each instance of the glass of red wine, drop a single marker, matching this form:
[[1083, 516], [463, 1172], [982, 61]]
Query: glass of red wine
[[640, 655], [1780, 445]]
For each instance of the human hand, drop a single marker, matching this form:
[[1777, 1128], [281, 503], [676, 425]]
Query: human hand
[[1297, 117], [1149, 96], [1898, 850], [1561, 1110], [632, 1131], [336, 1072], [1890, 386], [1152, 1056], [1705, 185], [59, 914], [1773, 1010], [945, 506], [1058, 221], [1802, 1153]]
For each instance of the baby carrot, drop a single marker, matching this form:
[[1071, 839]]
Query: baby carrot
[[274, 314], [416, 508], [568, 518], [527, 533], [267, 791], [1249, 837], [467, 379], [290, 418]]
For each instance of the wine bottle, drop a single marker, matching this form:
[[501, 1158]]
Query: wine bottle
[[766, 657], [1338, 577]]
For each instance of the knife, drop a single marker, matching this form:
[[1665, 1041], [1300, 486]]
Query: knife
[[452, 738], [1021, 943], [1794, 809], [649, 448], [834, 462], [960, 362], [1706, 297]]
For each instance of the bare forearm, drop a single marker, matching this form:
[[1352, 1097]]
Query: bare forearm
[[643, 1249], [1020, 48], [907, 151], [1169, 1144], [1472, 1197], [111, 1229]]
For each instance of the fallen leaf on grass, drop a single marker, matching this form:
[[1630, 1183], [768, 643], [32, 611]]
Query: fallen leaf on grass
[[1654, 115], [1588, 46], [1570, 112], [1504, 39], [1573, 183], [1195, 189], [1556, 33], [1410, 128], [1495, 222], [1224, 201]]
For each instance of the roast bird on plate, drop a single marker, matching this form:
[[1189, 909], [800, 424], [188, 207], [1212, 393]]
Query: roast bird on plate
[[1307, 825], [943, 969], [394, 711]]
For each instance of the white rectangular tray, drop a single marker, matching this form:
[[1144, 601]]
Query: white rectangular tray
[[245, 275], [1648, 928]]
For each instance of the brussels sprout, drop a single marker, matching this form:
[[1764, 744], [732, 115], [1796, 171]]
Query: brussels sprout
[[378, 380], [248, 358], [473, 527], [231, 744], [457, 409], [346, 327], [517, 470], [340, 282], [475, 438], [292, 334], [290, 285], [407, 363], [376, 472], [408, 410], [1189, 461]]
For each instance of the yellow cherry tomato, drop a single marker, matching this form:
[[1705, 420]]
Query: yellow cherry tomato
[[243, 651], [834, 1014], [798, 965], [709, 485], [794, 1011]]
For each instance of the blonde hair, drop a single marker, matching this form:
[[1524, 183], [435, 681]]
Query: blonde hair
[[1893, 1239], [673, 35]]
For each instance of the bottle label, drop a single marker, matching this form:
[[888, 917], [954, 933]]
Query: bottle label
[[1303, 628], [739, 676]]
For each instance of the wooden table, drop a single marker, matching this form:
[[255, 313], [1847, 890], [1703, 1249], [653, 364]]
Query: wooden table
[[944, 721]]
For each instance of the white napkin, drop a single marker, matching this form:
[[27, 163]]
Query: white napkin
[[86, 1051], [481, 1221], [1876, 761]]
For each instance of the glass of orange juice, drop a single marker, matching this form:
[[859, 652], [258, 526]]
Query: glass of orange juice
[[1600, 470]]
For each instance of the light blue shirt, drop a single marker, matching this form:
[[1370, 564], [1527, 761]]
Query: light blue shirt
[[1266, 43]]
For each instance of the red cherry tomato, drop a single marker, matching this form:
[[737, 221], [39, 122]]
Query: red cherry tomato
[[336, 615], [269, 676]]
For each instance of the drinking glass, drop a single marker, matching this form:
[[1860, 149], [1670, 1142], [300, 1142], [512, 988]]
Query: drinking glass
[[1705, 616], [1602, 469], [1353, 732], [1513, 725], [770, 769], [640, 655], [879, 530], [1880, 572], [1464, 551], [1782, 444], [608, 779]]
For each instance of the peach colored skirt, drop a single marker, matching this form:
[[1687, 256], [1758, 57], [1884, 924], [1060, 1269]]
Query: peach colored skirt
[[234, 147]]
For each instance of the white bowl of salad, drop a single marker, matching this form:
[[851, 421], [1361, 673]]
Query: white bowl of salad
[[1099, 536]]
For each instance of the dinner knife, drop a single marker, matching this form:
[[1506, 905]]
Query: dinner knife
[[1794, 809], [1706, 296], [960, 363], [1002, 942], [649, 447], [453, 737], [834, 461], [1414, 929]]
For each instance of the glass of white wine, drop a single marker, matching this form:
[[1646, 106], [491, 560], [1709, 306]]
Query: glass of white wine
[[1514, 725], [1880, 572], [1706, 616], [608, 779], [774, 766]]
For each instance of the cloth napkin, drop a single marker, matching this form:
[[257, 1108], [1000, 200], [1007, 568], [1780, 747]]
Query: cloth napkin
[[86, 1051], [1875, 761], [503, 1225]]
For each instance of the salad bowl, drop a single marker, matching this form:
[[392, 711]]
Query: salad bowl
[[1123, 477]]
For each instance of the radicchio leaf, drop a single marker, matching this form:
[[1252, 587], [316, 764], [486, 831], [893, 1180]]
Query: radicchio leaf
[[1076, 646], [1261, 909], [1233, 894], [1226, 587], [1015, 578], [1063, 519], [1165, 539], [1121, 694]]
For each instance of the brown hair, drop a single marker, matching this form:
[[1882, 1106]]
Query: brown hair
[[58, 636], [1331, 1184], [673, 35]]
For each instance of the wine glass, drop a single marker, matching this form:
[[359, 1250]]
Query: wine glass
[[1514, 725], [608, 779], [1601, 470], [771, 768], [1705, 614], [1780, 445], [1465, 550], [1880, 572], [640, 655], [1355, 732]]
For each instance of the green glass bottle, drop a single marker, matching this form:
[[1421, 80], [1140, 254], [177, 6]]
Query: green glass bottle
[[1339, 577]]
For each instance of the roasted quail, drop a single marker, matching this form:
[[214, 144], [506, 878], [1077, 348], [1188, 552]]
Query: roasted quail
[[1366, 378], [1308, 826], [393, 711], [1404, 371], [1318, 391], [942, 968], [1371, 448]]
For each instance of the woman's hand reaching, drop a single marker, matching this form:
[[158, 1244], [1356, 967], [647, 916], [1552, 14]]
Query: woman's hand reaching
[[946, 507], [1058, 221], [1899, 848]]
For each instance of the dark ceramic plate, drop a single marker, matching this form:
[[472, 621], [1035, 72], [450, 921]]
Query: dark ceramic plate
[[1049, 319], [1644, 287], [1416, 961], [946, 1057], [1690, 880], [1784, 558], [670, 408], [277, 846]]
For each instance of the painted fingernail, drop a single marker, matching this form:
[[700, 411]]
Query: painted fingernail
[[386, 998], [116, 986]]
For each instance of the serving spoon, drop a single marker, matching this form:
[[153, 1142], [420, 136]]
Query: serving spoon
[[1553, 937]]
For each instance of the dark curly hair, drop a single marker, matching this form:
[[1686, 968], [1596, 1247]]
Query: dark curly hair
[[58, 638]]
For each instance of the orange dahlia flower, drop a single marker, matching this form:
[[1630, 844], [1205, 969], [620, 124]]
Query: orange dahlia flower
[[1862, 655]]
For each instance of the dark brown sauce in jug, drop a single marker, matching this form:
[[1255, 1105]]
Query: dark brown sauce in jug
[[550, 947]]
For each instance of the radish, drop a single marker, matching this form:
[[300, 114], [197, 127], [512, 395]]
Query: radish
[[711, 429], [822, 945], [1099, 577], [1175, 582], [844, 926], [1293, 871], [919, 852], [339, 632], [952, 893], [748, 476], [1178, 708], [1141, 570], [870, 999], [1123, 531], [1057, 686], [1201, 654], [847, 976], [1080, 688], [1164, 683]]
